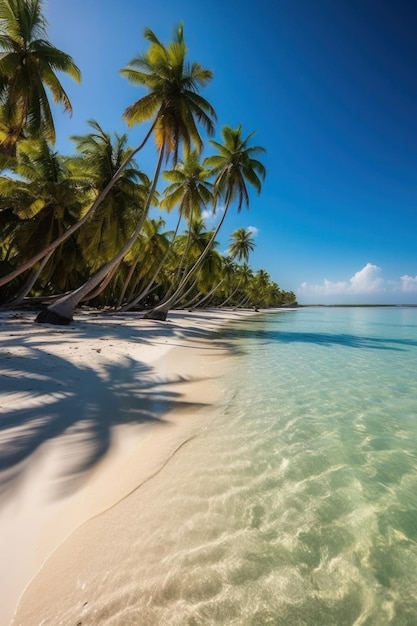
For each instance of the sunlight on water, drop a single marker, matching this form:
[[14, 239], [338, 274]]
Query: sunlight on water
[[297, 505]]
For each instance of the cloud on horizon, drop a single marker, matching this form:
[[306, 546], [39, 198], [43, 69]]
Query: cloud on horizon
[[365, 285]]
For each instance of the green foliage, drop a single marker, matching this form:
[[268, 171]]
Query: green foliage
[[44, 194], [28, 66], [172, 98]]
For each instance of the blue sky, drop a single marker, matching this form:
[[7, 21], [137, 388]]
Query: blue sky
[[331, 89]]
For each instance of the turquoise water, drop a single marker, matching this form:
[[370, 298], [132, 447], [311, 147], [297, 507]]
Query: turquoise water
[[296, 504], [325, 430]]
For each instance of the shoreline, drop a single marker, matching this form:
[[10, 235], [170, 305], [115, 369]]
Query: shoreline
[[83, 404]]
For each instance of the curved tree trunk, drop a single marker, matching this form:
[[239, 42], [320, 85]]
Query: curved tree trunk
[[204, 298], [28, 284], [231, 295], [62, 311], [59, 240], [101, 287], [126, 283], [145, 291], [160, 312], [190, 288]]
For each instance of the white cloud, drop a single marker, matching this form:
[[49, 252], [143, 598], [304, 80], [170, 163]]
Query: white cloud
[[209, 216], [253, 230], [365, 281], [409, 284], [206, 214]]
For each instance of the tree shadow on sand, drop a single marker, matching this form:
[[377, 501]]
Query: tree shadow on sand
[[47, 397]]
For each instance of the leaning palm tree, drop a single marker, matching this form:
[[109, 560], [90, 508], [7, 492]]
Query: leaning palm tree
[[153, 246], [28, 63], [241, 277], [98, 158], [176, 108], [46, 198], [234, 166], [258, 288], [242, 244], [202, 280], [228, 269], [190, 192]]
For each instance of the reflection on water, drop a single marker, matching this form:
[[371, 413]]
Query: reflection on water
[[297, 505]]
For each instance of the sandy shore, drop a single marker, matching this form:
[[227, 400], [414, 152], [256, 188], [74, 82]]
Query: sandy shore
[[88, 413]]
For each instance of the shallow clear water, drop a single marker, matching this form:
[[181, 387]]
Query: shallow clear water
[[297, 503]]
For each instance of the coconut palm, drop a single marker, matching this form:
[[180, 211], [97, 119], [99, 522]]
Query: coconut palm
[[28, 63], [46, 198], [234, 166], [154, 246], [228, 269], [172, 101], [190, 245], [98, 158], [176, 108], [242, 277], [189, 191], [258, 287], [202, 280], [242, 244]]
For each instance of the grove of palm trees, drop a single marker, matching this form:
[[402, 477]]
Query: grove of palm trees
[[80, 229]]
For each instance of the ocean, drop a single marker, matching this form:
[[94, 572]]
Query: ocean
[[297, 504], [294, 503]]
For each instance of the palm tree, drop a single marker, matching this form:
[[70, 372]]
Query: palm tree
[[246, 276], [242, 244], [87, 173], [202, 281], [191, 192], [28, 63], [98, 159], [234, 166], [172, 100], [153, 249], [46, 198], [228, 269], [258, 288], [242, 277], [176, 107]]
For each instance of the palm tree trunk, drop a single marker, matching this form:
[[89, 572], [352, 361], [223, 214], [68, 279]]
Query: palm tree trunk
[[183, 295], [126, 283], [160, 312], [59, 240], [245, 301], [145, 291], [62, 311], [206, 297], [101, 287], [231, 295], [28, 284]]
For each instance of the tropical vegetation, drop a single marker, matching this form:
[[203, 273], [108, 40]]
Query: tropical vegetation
[[85, 229]]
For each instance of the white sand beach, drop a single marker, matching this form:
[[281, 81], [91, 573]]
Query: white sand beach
[[89, 413]]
